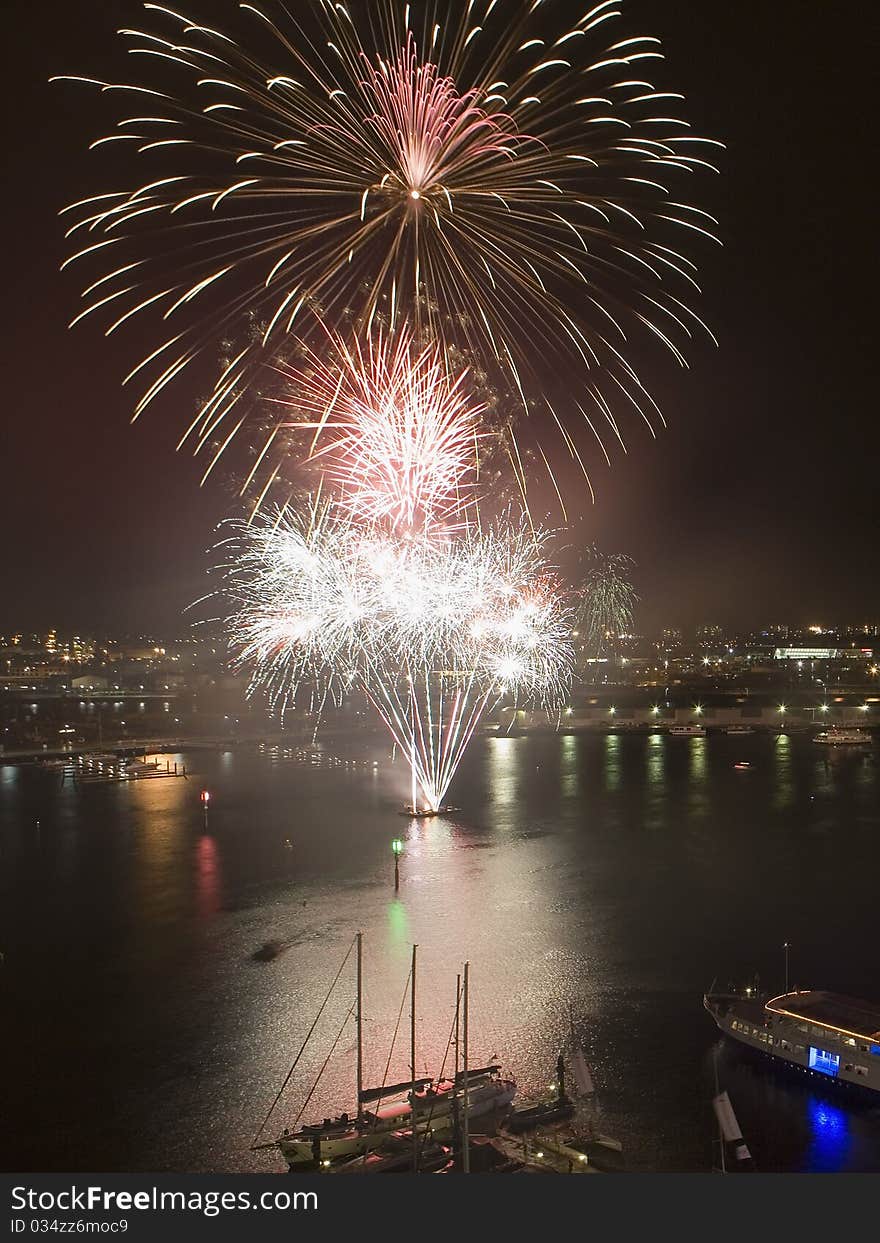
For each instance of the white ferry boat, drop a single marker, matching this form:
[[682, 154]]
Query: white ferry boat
[[843, 737], [687, 731], [823, 1033], [739, 729]]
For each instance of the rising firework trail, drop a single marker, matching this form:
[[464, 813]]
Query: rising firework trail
[[434, 631], [505, 178]]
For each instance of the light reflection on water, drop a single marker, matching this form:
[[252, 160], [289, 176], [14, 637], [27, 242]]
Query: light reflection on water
[[614, 874]]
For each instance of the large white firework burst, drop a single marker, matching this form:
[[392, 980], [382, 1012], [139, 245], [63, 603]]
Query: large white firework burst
[[503, 172], [432, 630]]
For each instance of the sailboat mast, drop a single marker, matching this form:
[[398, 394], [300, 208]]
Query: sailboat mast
[[360, 1027], [465, 1125], [412, 1046]]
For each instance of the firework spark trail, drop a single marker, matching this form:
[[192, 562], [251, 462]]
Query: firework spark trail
[[432, 630], [396, 436], [608, 600], [451, 164]]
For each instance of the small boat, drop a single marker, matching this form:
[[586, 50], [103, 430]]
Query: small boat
[[742, 765], [843, 737], [544, 1113], [730, 1138], [687, 731], [425, 813], [739, 729], [592, 1149], [270, 950]]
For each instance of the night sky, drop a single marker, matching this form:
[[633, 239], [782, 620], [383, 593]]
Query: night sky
[[759, 501]]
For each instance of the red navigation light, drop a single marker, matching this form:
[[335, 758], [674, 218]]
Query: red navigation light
[[206, 796]]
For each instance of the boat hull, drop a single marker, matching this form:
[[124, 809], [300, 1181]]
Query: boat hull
[[316, 1148], [828, 1057]]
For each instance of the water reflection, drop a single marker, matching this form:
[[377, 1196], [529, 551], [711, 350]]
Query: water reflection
[[130, 934], [503, 771], [208, 879], [569, 766], [612, 763], [830, 1135]]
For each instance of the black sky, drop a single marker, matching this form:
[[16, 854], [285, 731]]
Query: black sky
[[758, 502]]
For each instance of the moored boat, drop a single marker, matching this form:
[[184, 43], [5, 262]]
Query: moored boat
[[823, 1033], [424, 1107], [342, 1137], [687, 731], [843, 737]]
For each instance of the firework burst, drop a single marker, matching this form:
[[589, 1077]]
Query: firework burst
[[394, 434], [433, 631], [608, 599], [519, 192]]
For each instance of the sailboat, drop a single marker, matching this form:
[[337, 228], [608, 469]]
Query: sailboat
[[420, 1106]]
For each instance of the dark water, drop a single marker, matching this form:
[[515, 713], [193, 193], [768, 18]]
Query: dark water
[[616, 874]]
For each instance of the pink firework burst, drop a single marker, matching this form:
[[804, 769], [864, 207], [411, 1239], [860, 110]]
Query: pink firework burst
[[432, 133], [397, 436]]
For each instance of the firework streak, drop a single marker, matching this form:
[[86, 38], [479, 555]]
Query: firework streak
[[504, 178], [432, 630]]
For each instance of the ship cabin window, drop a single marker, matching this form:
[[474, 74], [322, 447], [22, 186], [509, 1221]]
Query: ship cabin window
[[849, 1040], [823, 1061], [863, 1071], [848, 1066], [783, 1044]]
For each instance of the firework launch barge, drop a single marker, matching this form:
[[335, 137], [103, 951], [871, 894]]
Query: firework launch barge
[[819, 1032]]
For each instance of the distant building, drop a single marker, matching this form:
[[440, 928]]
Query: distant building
[[671, 636], [710, 637]]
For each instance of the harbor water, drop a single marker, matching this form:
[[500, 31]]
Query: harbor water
[[615, 876]]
